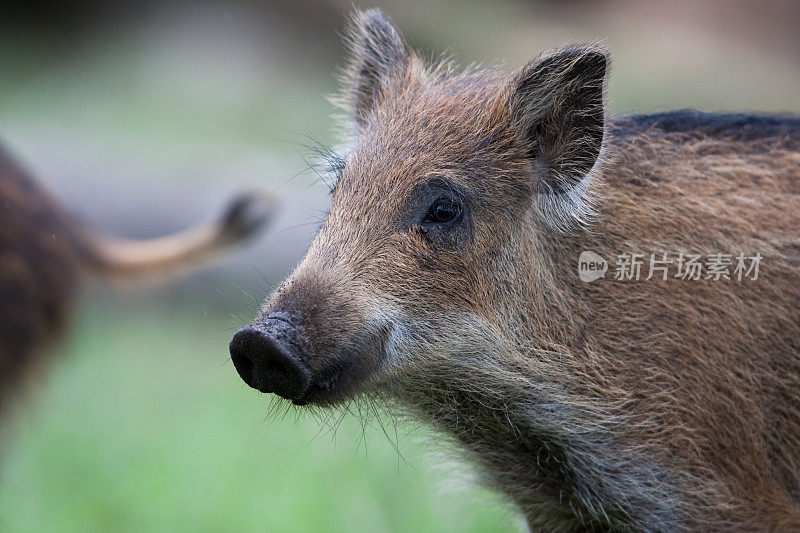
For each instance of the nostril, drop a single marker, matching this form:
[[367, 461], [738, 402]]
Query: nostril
[[267, 364], [243, 365], [278, 374]]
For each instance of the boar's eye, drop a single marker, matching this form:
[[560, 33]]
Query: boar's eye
[[443, 210]]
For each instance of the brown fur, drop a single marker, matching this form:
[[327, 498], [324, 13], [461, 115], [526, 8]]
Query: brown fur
[[650, 405], [44, 253]]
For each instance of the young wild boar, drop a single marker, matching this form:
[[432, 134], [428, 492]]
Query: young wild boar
[[43, 253], [446, 280]]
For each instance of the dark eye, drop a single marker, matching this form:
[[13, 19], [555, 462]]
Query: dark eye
[[443, 210]]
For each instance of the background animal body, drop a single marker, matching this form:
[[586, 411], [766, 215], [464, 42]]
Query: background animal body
[[45, 253], [142, 117], [39, 270], [445, 277]]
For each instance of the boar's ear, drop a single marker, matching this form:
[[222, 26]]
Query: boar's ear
[[378, 58], [557, 110]]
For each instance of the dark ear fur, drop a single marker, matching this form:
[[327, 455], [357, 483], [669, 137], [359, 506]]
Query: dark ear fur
[[378, 58], [557, 109]]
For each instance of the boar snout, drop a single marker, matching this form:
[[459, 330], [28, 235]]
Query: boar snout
[[317, 341], [268, 360]]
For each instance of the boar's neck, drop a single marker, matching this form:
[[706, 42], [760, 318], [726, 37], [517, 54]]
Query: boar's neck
[[561, 459]]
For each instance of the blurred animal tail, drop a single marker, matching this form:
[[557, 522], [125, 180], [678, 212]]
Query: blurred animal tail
[[112, 257]]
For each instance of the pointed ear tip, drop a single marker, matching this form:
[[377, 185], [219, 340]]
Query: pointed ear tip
[[589, 52], [599, 53], [370, 18], [373, 13], [594, 56], [591, 57]]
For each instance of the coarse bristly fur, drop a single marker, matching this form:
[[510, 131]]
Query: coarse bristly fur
[[658, 405]]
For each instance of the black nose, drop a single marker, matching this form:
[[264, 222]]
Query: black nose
[[269, 365]]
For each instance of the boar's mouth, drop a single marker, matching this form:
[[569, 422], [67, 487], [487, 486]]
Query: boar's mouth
[[275, 356]]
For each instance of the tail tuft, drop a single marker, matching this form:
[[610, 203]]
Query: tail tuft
[[246, 214]]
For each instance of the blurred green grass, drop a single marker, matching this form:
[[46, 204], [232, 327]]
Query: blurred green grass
[[143, 425]]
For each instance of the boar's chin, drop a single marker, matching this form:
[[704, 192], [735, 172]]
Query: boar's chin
[[349, 371], [336, 384]]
